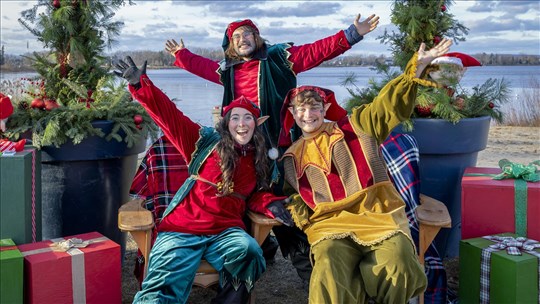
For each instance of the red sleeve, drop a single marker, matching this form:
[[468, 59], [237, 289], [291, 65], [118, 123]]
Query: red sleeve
[[181, 131], [260, 200], [308, 56], [198, 65]]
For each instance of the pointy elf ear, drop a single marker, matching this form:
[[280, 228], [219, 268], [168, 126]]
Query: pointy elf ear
[[262, 119]]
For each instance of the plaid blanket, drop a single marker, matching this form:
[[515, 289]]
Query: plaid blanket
[[401, 155], [161, 173]]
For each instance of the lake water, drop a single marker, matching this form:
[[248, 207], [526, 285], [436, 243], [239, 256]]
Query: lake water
[[196, 97]]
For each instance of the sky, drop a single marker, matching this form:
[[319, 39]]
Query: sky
[[500, 27]]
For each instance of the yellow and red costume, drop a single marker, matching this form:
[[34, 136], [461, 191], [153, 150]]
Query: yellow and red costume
[[342, 187]]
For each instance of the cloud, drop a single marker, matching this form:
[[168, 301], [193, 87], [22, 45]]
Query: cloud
[[495, 26]]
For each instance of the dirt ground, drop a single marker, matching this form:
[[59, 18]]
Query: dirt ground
[[281, 285]]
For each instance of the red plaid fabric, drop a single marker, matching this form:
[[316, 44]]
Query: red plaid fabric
[[161, 173]]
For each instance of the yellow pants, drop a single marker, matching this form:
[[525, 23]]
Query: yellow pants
[[346, 272]]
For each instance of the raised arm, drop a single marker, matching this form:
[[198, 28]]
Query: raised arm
[[395, 102], [180, 130], [195, 64], [308, 56], [426, 57]]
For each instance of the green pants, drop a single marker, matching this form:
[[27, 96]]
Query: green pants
[[346, 272]]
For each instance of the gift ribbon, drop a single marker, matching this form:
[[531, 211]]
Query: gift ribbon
[[513, 246], [521, 175], [71, 247], [34, 196]]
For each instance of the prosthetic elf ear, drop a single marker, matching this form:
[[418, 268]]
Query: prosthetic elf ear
[[262, 119]]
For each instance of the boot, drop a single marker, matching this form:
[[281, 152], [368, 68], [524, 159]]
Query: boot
[[227, 295]]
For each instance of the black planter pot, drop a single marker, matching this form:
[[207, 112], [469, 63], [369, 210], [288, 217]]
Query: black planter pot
[[85, 184], [446, 149]]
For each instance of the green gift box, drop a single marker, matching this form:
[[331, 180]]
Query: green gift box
[[20, 196], [11, 272], [511, 278]]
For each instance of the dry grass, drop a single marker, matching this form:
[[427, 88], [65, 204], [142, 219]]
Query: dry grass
[[524, 110]]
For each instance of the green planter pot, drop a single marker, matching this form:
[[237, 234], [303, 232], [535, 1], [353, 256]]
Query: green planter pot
[[83, 185], [446, 149]]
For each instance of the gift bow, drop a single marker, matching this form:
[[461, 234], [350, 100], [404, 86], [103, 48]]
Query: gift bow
[[69, 243], [513, 246], [509, 169]]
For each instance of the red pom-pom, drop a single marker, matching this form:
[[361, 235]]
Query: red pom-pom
[[436, 39], [491, 105], [443, 8], [56, 3]]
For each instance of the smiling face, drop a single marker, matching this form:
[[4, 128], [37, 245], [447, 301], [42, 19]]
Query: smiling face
[[309, 116], [242, 124], [243, 41]]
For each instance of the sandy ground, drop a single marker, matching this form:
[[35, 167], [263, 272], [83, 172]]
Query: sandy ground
[[281, 285]]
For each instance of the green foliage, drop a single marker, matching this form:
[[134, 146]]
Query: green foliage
[[420, 21], [75, 75], [428, 21], [360, 96]]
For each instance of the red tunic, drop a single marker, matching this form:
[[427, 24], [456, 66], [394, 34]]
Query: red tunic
[[202, 211]]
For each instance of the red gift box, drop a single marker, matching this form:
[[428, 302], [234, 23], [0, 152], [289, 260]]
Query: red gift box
[[90, 274], [488, 206]]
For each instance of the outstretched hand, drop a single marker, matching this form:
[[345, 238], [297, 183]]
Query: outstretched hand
[[171, 46], [281, 214], [367, 25], [440, 49], [425, 57], [129, 71]]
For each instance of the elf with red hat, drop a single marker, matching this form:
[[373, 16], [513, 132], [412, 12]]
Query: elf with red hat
[[264, 73], [228, 169], [344, 200]]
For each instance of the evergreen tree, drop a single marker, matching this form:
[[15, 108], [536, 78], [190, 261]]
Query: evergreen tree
[[420, 21], [430, 21], [75, 87]]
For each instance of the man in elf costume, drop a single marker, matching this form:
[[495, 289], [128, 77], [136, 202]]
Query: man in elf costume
[[344, 200], [264, 73]]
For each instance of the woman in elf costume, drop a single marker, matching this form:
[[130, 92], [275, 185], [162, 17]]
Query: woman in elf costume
[[228, 170], [353, 216]]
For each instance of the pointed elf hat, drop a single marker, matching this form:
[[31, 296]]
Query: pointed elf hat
[[242, 102], [334, 113]]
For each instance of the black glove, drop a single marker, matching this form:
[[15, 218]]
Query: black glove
[[129, 71], [281, 213]]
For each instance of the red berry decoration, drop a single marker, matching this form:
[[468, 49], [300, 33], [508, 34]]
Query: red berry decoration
[[436, 39], [51, 104], [138, 119], [423, 111], [56, 3], [491, 105], [443, 8], [37, 103]]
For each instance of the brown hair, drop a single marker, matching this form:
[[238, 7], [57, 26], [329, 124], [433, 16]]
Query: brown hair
[[230, 53], [307, 97], [229, 156]]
